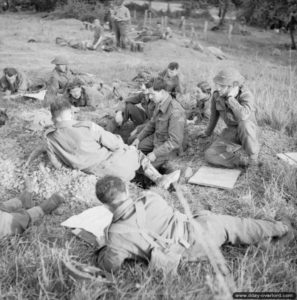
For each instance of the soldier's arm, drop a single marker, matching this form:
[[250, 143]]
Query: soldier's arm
[[52, 87], [147, 130], [242, 107], [181, 85], [176, 134], [23, 86], [135, 99], [214, 117], [36, 152], [107, 139], [111, 259], [52, 156]]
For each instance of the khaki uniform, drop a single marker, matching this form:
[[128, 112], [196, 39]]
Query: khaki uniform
[[121, 24], [239, 116], [201, 110], [88, 147], [14, 219], [164, 133], [151, 214], [21, 85], [59, 82]]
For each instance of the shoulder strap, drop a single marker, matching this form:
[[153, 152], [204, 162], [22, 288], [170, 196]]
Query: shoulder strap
[[154, 239]]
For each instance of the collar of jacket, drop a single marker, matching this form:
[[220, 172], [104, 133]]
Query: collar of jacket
[[122, 209], [63, 124], [163, 107], [61, 72]]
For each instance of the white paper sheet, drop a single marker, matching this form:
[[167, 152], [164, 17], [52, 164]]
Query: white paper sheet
[[215, 177], [290, 158], [93, 220]]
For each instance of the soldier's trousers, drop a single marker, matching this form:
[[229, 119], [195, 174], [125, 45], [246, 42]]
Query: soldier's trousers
[[121, 33], [221, 151], [14, 219], [224, 229], [137, 115], [123, 163], [147, 145]]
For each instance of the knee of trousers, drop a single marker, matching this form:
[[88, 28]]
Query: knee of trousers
[[211, 155], [248, 134]]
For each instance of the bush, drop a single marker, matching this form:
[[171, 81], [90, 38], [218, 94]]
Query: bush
[[82, 10]]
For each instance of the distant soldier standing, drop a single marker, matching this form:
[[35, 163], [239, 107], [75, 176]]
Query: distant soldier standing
[[292, 28], [234, 103], [120, 16]]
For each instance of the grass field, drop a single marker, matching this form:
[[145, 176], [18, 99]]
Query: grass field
[[30, 265]]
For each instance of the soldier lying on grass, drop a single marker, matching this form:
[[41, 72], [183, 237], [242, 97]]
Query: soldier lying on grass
[[88, 147], [150, 230]]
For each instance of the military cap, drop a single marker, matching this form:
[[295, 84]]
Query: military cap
[[60, 60], [10, 71], [228, 76]]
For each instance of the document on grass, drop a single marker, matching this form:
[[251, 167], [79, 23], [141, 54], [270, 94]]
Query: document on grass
[[38, 95], [215, 177], [290, 158], [93, 220]]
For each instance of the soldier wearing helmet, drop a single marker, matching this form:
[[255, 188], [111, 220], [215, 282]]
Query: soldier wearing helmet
[[234, 103]]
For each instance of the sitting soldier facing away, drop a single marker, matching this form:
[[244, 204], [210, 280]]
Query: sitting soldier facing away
[[141, 227], [88, 147]]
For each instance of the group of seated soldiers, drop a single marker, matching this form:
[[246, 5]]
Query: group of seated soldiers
[[140, 226]]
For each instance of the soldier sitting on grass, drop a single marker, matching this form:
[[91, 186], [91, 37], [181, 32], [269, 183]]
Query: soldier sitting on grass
[[163, 136], [234, 103], [88, 147], [61, 77]]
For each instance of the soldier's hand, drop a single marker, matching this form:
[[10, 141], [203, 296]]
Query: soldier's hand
[[201, 134], [133, 132], [136, 143], [151, 156], [233, 92]]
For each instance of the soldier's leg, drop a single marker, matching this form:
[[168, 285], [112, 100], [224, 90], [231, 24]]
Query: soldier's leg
[[124, 28], [137, 115], [228, 229], [18, 221], [124, 163], [13, 223], [147, 144], [247, 133], [3, 83], [117, 33], [222, 150]]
